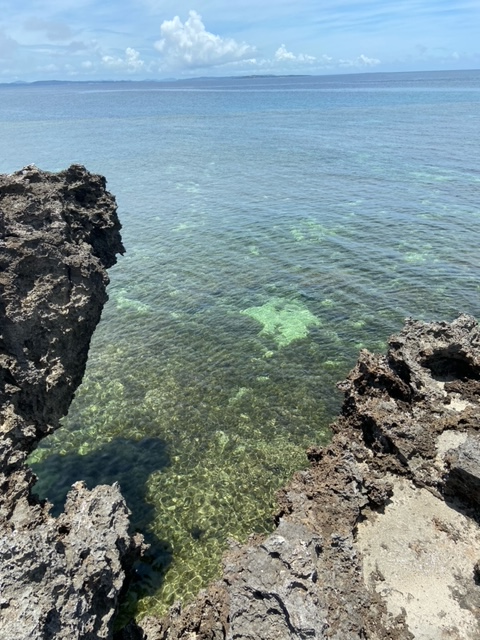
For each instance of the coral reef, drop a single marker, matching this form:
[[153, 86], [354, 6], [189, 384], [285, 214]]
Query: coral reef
[[379, 538], [59, 577]]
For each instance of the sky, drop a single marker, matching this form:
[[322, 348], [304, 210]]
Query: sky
[[159, 39]]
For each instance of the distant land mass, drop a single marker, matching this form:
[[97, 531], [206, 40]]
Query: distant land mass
[[60, 82]]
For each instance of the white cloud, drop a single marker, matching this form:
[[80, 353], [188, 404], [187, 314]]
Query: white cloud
[[282, 55], [284, 61], [48, 68], [130, 63], [190, 45], [325, 60], [361, 61]]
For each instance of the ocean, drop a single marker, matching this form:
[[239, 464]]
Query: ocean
[[274, 226]]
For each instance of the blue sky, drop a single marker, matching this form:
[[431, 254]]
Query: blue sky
[[143, 39]]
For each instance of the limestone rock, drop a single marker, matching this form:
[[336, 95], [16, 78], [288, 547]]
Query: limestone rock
[[378, 538], [463, 478], [59, 578]]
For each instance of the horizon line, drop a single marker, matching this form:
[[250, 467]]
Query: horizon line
[[230, 77]]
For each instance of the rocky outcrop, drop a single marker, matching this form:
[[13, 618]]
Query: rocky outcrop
[[379, 538], [59, 577]]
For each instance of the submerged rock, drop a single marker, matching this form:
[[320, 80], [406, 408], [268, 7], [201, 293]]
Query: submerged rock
[[59, 577], [379, 538]]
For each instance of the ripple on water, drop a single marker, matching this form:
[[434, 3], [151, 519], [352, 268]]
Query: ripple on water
[[270, 235]]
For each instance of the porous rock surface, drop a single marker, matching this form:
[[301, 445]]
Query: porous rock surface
[[379, 538], [59, 232]]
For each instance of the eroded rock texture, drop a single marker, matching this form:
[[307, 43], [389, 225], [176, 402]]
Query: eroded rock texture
[[59, 578], [379, 538]]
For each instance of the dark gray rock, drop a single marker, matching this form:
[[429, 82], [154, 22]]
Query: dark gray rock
[[308, 578], [59, 578], [463, 478], [271, 597]]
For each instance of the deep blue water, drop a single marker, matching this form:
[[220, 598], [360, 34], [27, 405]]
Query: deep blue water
[[273, 226]]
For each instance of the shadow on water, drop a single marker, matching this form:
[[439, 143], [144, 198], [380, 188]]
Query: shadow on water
[[129, 463]]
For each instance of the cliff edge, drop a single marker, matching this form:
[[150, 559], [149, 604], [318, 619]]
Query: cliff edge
[[59, 232], [379, 538]]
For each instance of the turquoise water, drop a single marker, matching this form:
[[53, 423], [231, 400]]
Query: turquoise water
[[274, 227]]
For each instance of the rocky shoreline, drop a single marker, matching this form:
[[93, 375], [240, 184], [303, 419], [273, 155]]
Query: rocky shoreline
[[59, 577], [378, 539]]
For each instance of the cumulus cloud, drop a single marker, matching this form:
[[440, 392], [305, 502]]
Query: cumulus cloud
[[48, 68], [190, 45], [282, 55], [53, 30], [130, 63], [326, 61], [361, 61], [367, 62], [284, 60]]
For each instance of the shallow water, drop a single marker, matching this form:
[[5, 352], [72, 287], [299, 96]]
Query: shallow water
[[273, 226]]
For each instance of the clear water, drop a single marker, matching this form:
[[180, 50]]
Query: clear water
[[273, 226]]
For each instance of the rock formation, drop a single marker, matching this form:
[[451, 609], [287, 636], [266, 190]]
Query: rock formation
[[59, 578], [379, 538]]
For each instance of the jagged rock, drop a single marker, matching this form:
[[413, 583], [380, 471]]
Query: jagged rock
[[59, 578], [463, 478], [376, 539]]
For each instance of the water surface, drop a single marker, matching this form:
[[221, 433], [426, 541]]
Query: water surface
[[274, 227]]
